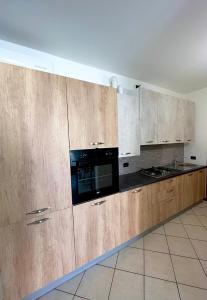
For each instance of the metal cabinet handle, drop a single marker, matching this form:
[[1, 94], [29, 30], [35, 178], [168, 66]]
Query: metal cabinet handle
[[126, 153], [178, 140], [94, 143], [98, 203], [100, 143], [170, 200], [39, 221], [37, 211], [190, 174], [170, 191], [136, 191], [149, 142], [170, 181], [189, 140], [165, 141]]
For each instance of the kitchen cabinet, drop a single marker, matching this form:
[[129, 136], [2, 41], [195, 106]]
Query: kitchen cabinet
[[32, 256], [92, 115], [95, 226], [148, 116], [200, 185], [170, 120], [189, 121], [180, 192], [178, 121], [34, 146], [128, 123], [135, 213], [189, 189], [164, 200]]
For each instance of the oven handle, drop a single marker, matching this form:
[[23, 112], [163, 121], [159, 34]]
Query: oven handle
[[98, 203]]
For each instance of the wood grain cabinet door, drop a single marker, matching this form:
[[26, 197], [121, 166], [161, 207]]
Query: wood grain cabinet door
[[92, 114], [128, 124], [32, 256], [95, 224], [166, 111], [200, 185], [189, 121], [148, 116], [34, 164], [189, 189], [135, 213]]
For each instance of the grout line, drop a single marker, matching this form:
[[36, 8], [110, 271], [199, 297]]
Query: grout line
[[197, 256], [79, 285], [113, 276], [172, 264]]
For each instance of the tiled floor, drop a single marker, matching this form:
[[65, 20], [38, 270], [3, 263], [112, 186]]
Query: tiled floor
[[168, 264]]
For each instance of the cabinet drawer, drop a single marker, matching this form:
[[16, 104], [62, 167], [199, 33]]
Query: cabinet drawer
[[36, 252]]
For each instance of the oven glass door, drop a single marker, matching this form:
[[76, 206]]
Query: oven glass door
[[92, 179]]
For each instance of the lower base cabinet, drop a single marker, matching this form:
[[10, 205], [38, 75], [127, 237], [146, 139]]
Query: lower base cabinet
[[200, 185], [31, 256], [95, 225], [135, 215], [103, 224]]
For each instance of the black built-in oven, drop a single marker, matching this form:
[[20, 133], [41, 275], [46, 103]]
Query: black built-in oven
[[94, 173]]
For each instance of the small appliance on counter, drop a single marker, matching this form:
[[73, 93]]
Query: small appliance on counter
[[94, 173]]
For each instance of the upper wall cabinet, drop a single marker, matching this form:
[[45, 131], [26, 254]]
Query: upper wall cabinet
[[92, 114], [148, 116], [34, 145], [170, 120], [189, 121], [128, 123]]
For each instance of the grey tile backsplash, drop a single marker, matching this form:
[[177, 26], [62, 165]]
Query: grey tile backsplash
[[152, 156]]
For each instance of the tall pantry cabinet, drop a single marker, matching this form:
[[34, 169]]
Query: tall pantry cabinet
[[35, 194]]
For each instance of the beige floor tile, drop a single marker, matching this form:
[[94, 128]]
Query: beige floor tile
[[96, 283], [158, 265], [156, 289], [190, 219], [110, 262], [175, 230], [71, 286], [156, 242], [204, 264], [202, 204], [196, 232], [181, 246], [132, 260], [138, 244], [189, 212], [127, 286], [159, 230], [200, 211], [80, 298], [191, 293], [57, 295], [189, 271], [200, 248], [176, 220], [203, 220]]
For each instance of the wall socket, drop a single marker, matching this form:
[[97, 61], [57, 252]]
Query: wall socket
[[193, 157], [125, 165]]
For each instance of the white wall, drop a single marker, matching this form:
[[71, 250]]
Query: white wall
[[23, 56], [199, 148]]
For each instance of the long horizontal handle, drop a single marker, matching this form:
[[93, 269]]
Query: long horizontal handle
[[170, 191], [98, 203], [136, 191], [39, 221], [37, 211], [149, 142], [96, 143], [178, 140], [126, 153]]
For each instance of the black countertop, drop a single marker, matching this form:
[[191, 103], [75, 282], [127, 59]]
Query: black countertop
[[134, 180]]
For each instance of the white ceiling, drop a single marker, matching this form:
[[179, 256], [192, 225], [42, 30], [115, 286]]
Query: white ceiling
[[163, 42]]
